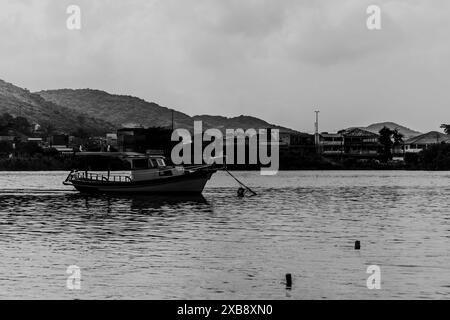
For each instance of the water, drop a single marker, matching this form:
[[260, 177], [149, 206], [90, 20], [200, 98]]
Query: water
[[222, 247]]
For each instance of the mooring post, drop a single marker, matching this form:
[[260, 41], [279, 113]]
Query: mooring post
[[357, 245]]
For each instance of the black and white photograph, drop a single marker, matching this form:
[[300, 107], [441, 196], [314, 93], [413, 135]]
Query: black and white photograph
[[224, 150]]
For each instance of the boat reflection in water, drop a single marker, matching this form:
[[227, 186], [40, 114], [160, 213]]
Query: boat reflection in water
[[157, 201], [142, 204]]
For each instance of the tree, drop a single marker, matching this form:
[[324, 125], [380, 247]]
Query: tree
[[6, 119], [386, 144], [436, 157], [22, 125], [47, 129], [80, 133], [28, 148], [398, 138], [6, 147], [5, 123], [17, 124], [446, 128]]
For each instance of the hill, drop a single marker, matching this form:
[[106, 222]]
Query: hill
[[21, 102], [242, 122], [407, 132], [122, 110], [119, 110]]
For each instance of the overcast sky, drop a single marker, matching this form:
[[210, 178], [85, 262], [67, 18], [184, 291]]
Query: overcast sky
[[275, 59]]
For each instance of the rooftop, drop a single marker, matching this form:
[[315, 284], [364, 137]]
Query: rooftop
[[429, 138], [331, 135], [358, 132]]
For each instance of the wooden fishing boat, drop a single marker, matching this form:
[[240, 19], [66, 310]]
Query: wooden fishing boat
[[149, 175]]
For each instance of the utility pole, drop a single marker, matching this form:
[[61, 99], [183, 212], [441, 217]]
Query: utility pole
[[316, 135]]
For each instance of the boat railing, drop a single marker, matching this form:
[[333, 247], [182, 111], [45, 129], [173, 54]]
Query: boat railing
[[88, 176], [198, 167]]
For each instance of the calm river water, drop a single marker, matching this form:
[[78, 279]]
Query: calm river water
[[222, 247]]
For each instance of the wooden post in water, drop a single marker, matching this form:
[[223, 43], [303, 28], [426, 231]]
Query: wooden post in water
[[288, 281], [357, 245]]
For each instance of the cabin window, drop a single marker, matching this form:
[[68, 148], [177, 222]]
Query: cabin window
[[152, 163], [140, 164], [160, 162]]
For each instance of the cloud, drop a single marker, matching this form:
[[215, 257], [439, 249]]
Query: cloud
[[328, 36], [269, 58]]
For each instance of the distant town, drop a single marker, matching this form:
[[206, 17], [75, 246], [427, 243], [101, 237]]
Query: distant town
[[26, 145], [45, 130]]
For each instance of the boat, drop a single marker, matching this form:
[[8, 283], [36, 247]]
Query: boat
[[149, 174]]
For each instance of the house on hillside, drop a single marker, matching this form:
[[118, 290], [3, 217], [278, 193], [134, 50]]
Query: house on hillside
[[331, 144], [38, 141], [296, 142], [111, 139], [60, 142], [360, 143], [424, 141]]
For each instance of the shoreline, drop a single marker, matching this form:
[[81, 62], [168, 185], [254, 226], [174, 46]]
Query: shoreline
[[306, 162]]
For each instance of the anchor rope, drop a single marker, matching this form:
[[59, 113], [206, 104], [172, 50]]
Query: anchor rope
[[242, 184]]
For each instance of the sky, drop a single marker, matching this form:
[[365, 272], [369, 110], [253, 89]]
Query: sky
[[279, 60]]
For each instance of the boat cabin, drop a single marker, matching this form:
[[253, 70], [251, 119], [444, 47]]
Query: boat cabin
[[151, 167], [151, 162], [143, 167]]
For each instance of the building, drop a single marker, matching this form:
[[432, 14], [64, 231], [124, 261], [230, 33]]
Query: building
[[96, 144], [76, 142], [60, 142], [131, 140], [331, 144], [424, 141], [36, 128], [6, 146], [111, 139], [144, 140], [360, 143], [7, 138], [296, 139], [38, 141], [296, 142], [353, 142]]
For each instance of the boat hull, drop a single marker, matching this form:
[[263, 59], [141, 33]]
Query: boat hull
[[189, 183]]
